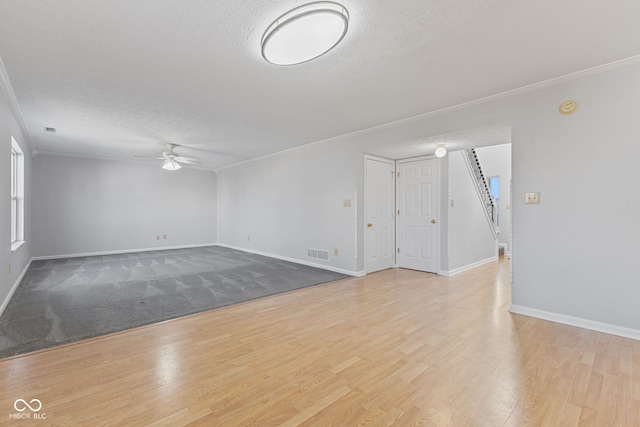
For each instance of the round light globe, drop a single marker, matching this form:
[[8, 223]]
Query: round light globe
[[441, 151]]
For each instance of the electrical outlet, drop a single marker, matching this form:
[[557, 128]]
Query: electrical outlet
[[158, 237], [335, 252], [248, 238], [532, 198], [164, 236]]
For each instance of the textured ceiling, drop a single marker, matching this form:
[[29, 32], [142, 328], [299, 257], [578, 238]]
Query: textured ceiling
[[119, 78]]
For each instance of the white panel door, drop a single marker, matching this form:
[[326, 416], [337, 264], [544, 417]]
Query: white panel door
[[418, 214], [379, 200]]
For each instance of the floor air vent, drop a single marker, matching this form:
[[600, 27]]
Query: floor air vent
[[318, 254]]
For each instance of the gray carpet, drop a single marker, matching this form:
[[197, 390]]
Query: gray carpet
[[66, 300]]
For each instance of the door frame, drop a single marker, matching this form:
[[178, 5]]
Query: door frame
[[438, 208], [368, 157]]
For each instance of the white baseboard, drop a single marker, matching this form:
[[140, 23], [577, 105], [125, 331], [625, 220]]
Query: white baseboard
[[296, 261], [5, 303], [467, 267], [121, 251], [576, 321]]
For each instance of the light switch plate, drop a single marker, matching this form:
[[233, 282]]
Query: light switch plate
[[346, 203], [532, 198]]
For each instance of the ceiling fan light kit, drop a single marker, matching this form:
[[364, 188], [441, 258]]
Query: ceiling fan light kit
[[171, 165], [172, 161]]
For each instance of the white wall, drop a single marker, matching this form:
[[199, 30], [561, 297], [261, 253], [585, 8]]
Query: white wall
[[89, 206], [496, 161], [284, 204], [576, 253], [18, 259], [573, 255], [471, 240]]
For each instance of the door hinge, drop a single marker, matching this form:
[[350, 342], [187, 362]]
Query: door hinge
[[398, 212], [398, 174], [398, 250]]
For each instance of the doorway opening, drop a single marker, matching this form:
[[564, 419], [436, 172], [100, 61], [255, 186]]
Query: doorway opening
[[454, 203]]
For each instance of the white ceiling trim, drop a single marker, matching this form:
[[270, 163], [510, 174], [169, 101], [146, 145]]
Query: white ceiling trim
[[150, 162], [502, 95], [5, 83]]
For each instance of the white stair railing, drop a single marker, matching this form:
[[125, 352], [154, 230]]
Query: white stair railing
[[490, 206]]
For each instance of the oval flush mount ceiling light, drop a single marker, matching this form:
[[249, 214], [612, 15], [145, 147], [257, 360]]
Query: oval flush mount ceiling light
[[305, 33]]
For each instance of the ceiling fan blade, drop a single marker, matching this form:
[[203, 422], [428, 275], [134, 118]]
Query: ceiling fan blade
[[172, 158], [186, 159]]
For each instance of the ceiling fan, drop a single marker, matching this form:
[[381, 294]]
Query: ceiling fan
[[172, 160]]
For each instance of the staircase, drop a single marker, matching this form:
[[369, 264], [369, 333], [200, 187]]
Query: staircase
[[482, 186]]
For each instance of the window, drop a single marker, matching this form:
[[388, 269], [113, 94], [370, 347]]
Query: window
[[494, 183], [17, 195]]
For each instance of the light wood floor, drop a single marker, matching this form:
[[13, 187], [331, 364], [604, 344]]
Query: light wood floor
[[397, 347]]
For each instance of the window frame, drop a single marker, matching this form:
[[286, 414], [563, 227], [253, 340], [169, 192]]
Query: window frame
[[17, 195]]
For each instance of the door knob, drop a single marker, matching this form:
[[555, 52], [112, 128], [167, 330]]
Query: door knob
[[369, 225], [433, 221]]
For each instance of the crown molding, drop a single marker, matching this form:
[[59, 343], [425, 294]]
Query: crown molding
[[5, 84], [498, 96], [503, 95], [111, 159]]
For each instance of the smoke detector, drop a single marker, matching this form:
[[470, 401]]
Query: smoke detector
[[568, 107]]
